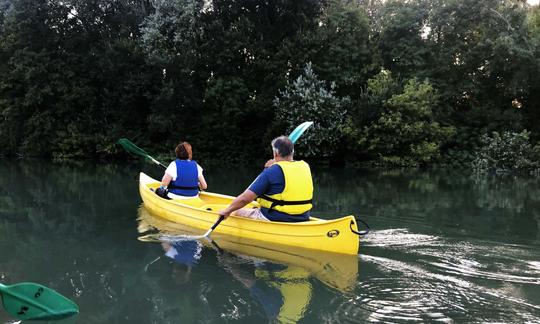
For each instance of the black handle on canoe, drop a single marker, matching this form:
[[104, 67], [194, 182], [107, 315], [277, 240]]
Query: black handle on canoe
[[360, 233]]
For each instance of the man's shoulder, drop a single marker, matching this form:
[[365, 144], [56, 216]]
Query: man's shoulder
[[274, 170], [274, 174]]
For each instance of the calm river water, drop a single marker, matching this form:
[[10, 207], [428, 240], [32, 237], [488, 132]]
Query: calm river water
[[444, 247]]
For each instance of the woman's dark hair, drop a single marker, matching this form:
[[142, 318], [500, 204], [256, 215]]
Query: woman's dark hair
[[283, 146], [183, 151]]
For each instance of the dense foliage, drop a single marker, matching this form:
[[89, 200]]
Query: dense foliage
[[507, 152], [396, 82], [308, 98]]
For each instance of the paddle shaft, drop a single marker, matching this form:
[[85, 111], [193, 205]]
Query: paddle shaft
[[190, 237], [132, 148], [220, 219], [157, 162]]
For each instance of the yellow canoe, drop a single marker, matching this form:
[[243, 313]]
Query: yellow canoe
[[201, 213]]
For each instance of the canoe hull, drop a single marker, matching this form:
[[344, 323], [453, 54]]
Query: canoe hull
[[325, 235]]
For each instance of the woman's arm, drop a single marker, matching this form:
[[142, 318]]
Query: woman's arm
[[202, 182], [166, 179]]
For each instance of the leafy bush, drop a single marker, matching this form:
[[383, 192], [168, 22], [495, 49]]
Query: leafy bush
[[405, 132], [510, 151], [308, 99]]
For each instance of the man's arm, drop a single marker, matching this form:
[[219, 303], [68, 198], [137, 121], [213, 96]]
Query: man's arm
[[245, 198]]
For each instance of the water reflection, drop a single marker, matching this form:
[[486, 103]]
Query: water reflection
[[186, 253], [283, 291], [444, 247], [456, 202], [276, 277]]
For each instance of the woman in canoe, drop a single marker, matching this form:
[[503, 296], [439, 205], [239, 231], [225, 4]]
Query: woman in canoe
[[284, 189], [183, 177]]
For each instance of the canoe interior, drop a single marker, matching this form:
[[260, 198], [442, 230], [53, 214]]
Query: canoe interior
[[211, 202]]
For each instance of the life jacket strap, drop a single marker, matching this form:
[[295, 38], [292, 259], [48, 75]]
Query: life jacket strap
[[171, 186], [277, 202]]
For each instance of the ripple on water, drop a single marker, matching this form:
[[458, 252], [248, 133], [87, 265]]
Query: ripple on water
[[534, 266], [411, 294], [398, 238], [485, 261], [443, 280]]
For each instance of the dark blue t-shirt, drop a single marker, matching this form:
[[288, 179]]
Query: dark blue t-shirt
[[270, 182]]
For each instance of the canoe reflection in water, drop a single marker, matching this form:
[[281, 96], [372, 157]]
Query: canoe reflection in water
[[277, 277], [186, 253], [283, 291]]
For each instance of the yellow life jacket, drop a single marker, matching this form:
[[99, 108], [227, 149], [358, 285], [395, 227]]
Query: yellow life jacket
[[298, 192]]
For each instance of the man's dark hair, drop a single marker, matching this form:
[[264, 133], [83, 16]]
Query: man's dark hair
[[283, 146]]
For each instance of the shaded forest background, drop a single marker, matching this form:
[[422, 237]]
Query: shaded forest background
[[405, 83]]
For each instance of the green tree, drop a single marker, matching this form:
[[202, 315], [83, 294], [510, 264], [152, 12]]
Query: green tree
[[309, 99], [509, 151], [531, 98], [481, 59], [401, 32], [73, 77], [76, 75], [340, 47], [405, 132], [223, 63]]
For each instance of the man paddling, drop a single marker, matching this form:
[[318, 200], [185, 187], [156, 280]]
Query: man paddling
[[284, 189]]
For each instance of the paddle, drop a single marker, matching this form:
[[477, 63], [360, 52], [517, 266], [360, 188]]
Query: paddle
[[131, 147], [177, 238], [298, 131], [31, 301]]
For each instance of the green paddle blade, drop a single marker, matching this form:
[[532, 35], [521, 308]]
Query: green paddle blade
[[131, 147], [298, 131], [31, 301]]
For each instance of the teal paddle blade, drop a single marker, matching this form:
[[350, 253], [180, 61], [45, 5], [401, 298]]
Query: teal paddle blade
[[131, 147], [31, 301], [298, 131]]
